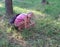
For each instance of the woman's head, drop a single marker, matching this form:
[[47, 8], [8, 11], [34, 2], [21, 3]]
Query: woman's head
[[30, 14]]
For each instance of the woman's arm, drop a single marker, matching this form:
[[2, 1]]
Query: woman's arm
[[25, 22]]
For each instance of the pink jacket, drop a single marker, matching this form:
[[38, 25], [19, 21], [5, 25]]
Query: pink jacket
[[19, 19]]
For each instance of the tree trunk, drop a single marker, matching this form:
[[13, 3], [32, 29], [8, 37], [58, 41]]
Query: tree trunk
[[45, 2], [8, 6]]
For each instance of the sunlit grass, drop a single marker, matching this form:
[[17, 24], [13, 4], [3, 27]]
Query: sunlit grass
[[21, 10], [1, 5]]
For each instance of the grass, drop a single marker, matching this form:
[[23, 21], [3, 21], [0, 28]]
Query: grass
[[2, 8], [47, 28]]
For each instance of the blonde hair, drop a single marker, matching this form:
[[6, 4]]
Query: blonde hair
[[30, 13]]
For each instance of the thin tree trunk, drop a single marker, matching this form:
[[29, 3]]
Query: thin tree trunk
[[8, 6], [45, 2]]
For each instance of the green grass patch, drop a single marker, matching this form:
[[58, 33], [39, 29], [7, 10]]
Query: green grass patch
[[47, 22]]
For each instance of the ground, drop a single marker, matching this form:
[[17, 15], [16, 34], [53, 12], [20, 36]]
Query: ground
[[46, 32]]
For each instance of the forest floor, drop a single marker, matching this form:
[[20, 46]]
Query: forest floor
[[46, 32]]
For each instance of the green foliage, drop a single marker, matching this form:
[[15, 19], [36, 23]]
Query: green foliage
[[3, 42], [49, 26], [26, 33]]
